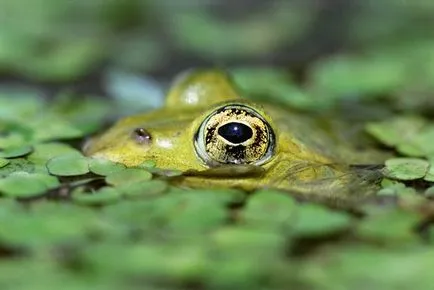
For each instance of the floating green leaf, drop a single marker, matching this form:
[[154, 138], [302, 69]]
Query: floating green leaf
[[54, 127], [393, 132], [421, 145], [190, 212], [220, 197], [104, 167], [14, 139], [316, 220], [104, 195], [68, 165], [201, 33], [133, 214], [406, 168], [45, 225], [44, 152], [247, 240], [22, 185], [346, 267], [394, 188], [270, 210], [410, 135], [348, 75], [17, 103], [143, 188], [266, 83], [15, 152], [50, 181], [129, 175], [393, 226], [430, 174], [192, 216]]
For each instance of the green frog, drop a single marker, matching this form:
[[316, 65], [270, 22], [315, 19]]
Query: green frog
[[218, 138]]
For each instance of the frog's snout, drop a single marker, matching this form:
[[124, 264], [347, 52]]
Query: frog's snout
[[120, 146]]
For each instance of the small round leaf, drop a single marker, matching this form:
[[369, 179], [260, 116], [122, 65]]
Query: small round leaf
[[143, 189], [104, 167], [129, 175], [68, 165], [104, 195], [22, 186], [430, 174], [406, 168], [15, 152]]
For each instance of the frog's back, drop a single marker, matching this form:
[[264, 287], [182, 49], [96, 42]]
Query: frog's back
[[338, 140]]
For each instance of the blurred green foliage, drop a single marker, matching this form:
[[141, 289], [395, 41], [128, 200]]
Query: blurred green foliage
[[71, 222]]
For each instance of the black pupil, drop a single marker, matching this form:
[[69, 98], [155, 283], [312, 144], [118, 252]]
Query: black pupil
[[235, 132]]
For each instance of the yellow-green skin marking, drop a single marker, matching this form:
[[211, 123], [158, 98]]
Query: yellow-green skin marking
[[288, 150]]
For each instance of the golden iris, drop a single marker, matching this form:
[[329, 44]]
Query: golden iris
[[234, 134]]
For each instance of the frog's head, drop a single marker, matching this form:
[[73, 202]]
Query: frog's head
[[204, 123], [217, 138]]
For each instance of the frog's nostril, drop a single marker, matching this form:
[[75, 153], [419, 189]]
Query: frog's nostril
[[142, 136]]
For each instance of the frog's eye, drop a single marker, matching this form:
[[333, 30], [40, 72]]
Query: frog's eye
[[234, 134]]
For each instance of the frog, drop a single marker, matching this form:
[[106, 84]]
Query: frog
[[218, 138]]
